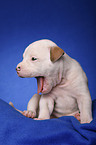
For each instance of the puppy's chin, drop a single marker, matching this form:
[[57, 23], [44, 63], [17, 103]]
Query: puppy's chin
[[20, 75]]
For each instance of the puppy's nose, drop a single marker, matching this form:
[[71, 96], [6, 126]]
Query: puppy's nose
[[18, 68]]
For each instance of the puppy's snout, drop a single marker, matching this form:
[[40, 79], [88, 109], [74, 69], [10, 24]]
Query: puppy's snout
[[18, 68]]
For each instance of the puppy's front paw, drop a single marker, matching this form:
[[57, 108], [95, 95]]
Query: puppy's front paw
[[86, 120], [40, 118], [29, 114]]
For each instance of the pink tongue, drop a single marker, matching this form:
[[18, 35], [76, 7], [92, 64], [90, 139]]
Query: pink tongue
[[40, 82]]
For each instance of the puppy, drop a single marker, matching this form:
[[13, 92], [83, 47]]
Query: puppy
[[61, 81]]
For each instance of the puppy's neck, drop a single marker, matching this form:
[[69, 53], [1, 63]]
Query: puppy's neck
[[63, 69], [58, 73]]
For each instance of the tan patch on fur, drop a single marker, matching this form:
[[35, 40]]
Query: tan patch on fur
[[55, 53]]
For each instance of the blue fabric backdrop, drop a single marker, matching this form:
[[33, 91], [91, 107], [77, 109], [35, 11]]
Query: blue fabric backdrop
[[16, 129], [69, 23]]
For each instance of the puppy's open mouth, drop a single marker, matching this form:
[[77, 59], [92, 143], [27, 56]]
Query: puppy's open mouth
[[40, 83]]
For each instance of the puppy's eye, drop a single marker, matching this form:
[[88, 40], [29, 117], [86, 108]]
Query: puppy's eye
[[33, 58]]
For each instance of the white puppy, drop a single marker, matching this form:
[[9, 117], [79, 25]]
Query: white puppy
[[60, 79]]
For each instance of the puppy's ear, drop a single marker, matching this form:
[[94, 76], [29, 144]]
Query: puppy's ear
[[55, 53]]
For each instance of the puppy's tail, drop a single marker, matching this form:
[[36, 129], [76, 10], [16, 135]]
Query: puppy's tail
[[11, 104]]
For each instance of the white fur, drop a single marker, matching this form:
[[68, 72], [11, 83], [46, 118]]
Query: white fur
[[65, 89]]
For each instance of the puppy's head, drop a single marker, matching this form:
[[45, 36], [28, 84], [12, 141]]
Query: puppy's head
[[41, 60]]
